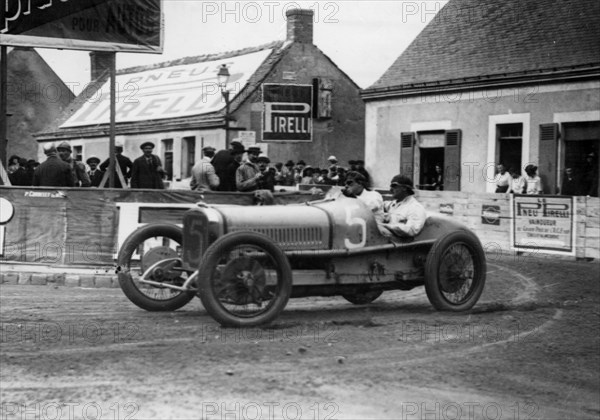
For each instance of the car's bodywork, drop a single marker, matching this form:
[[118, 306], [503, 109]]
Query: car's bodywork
[[329, 247]]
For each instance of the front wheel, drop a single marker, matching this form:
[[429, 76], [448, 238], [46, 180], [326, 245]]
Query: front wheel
[[455, 272], [143, 248], [245, 280]]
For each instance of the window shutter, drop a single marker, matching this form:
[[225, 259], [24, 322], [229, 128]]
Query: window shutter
[[407, 153], [453, 140], [548, 147]]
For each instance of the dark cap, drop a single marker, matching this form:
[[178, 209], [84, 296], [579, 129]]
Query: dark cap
[[301, 162], [360, 162], [263, 158], [208, 149], [92, 159], [49, 148], [289, 163], [402, 180], [351, 162], [236, 147], [254, 150], [146, 144], [64, 145]]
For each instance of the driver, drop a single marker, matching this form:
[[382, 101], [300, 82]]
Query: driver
[[404, 216], [356, 186]]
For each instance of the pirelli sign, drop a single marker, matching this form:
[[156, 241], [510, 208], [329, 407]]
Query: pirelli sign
[[287, 112]]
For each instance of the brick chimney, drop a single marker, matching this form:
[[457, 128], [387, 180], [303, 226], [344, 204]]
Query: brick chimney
[[300, 25], [99, 63]]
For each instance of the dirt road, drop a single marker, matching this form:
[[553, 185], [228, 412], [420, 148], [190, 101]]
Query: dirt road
[[530, 349]]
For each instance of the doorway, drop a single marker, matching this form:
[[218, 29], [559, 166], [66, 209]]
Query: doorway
[[510, 145]]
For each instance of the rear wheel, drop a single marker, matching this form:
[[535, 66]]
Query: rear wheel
[[245, 280], [142, 249], [455, 272]]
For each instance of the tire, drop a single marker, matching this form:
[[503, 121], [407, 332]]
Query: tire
[[455, 272], [362, 297], [145, 296], [240, 272]]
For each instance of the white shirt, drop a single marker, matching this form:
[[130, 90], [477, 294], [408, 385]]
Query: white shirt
[[374, 201], [503, 180], [406, 217]]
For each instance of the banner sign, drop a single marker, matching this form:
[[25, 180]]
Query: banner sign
[[95, 25], [287, 114], [543, 223], [447, 208], [169, 92]]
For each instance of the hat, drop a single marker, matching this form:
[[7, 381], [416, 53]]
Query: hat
[[403, 180], [145, 144], [351, 162], [289, 163], [64, 145], [254, 150], [263, 158], [301, 162], [208, 149], [308, 171], [118, 145], [236, 147], [360, 162], [332, 158], [49, 148], [92, 159]]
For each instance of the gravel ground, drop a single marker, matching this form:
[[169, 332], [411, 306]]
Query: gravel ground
[[530, 349]]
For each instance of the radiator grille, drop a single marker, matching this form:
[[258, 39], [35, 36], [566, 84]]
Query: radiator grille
[[290, 237]]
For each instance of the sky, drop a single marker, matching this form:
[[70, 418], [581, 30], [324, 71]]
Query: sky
[[363, 38]]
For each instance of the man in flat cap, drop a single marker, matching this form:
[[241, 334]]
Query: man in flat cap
[[267, 181], [404, 216], [226, 162], [204, 177], [360, 168], [78, 172], [54, 172], [248, 175], [94, 173], [147, 170], [125, 165]]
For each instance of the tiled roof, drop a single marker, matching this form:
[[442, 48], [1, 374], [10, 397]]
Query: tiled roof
[[481, 38]]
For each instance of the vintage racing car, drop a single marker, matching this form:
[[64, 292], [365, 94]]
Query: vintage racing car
[[245, 262]]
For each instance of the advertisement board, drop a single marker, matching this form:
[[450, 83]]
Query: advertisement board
[[167, 92], [543, 223], [95, 25], [287, 113]]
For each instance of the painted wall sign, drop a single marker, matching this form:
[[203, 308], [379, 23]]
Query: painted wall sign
[[490, 215], [96, 25], [287, 114], [169, 92], [543, 222]]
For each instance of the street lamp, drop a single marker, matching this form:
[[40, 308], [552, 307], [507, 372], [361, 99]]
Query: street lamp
[[222, 79]]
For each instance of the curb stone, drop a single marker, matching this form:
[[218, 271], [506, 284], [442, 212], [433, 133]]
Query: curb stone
[[72, 280]]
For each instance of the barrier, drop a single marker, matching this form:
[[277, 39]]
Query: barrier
[[84, 227]]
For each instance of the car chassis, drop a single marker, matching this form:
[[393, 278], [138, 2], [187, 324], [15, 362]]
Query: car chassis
[[245, 262]]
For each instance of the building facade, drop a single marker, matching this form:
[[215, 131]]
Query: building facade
[[486, 83], [287, 97], [36, 96]]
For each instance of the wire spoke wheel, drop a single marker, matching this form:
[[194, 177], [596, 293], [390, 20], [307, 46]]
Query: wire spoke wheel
[[145, 247], [245, 279], [455, 272]]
